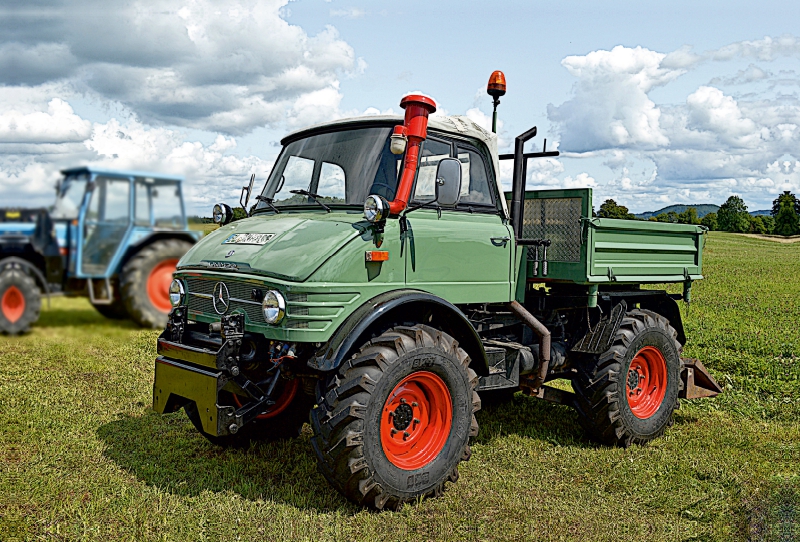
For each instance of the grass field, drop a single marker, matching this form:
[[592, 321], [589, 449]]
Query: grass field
[[84, 457]]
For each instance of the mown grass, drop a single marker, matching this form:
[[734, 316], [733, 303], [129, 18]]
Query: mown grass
[[84, 457]]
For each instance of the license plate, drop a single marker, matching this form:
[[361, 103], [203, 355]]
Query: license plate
[[248, 239]]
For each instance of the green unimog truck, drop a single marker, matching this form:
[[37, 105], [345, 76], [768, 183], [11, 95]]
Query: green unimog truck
[[384, 281]]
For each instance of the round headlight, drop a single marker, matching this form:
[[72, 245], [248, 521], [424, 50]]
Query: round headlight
[[274, 307], [222, 214], [376, 208], [176, 292]]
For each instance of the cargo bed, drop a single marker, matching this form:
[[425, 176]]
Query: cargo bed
[[585, 250]]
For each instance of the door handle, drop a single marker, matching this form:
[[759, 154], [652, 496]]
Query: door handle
[[500, 241]]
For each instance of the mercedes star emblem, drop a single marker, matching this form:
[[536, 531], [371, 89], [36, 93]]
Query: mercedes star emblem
[[221, 298]]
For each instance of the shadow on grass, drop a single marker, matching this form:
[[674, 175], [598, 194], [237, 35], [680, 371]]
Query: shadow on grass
[[533, 418], [168, 453]]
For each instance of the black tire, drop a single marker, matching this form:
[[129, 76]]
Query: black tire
[[603, 385], [116, 310], [285, 425], [20, 301], [349, 413], [134, 277]]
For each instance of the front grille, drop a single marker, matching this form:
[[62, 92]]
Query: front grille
[[240, 298]]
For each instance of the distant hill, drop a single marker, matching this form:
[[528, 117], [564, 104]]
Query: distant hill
[[762, 212], [702, 210]]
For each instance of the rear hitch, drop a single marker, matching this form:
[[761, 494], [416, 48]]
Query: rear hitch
[[697, 382]]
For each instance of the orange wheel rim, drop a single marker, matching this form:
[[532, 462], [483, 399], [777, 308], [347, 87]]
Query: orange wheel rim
[[646, 384], [284, 400], [158, 284], [13, 304], [416, 420]]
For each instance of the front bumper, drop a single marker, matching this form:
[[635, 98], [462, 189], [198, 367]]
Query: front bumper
[[186, 373]]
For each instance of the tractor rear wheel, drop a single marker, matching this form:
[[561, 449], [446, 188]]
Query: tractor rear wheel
[[394, 423], [627, 394], [20, 301], [283, 420], [145, 281]]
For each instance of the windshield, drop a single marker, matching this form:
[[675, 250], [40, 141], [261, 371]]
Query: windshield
[[341, 167], [69, 200]]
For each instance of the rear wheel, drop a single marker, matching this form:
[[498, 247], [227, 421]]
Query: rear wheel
[[282, 420], [20, 301], [627, 394], [145, 281], [395, 422]]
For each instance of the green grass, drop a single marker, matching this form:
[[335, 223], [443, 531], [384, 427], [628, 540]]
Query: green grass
[[84, 457]]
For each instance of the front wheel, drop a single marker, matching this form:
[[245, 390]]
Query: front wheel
[[20, 301], [395, 422], [627, 394]]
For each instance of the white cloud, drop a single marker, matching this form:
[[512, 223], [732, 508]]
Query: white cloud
[[204, 64], [714, 144]]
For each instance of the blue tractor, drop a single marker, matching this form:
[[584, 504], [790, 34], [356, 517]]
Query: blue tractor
[[112, 236]]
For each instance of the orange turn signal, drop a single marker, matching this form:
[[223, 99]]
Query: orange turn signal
[[377, 255]]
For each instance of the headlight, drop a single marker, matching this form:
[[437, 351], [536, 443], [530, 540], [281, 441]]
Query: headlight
[[273, 306], [222, 214], [176, 292], [376, 208]]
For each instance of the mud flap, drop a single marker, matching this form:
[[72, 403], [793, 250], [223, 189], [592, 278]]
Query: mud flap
[[697, 382]]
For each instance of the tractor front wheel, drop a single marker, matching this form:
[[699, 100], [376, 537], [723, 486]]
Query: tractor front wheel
[[395, 422], [627, 394], [145, 281], [20, 301]]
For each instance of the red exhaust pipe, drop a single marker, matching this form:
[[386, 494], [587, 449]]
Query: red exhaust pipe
[[415, 126]]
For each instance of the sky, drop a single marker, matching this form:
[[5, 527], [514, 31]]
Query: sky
[[650, 103]]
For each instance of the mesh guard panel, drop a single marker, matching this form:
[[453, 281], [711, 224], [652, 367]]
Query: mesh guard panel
[[556, 219]]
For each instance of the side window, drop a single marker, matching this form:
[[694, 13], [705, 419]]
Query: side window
[[331, 181], [110, 201], [432, 153], [141, 204], [167, 212], [475, 189]]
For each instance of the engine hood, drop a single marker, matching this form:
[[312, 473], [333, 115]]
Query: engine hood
[[288, 246]]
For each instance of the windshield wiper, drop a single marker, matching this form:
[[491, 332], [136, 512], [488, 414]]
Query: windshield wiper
[[268, 201], [315, 197]]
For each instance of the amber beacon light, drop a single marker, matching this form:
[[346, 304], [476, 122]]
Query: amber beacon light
[[495, 89]]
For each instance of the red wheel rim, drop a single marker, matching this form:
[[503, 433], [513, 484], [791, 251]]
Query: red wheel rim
[[416, 420], [647, 382], [13, 304], [158, 284], [284, 400]]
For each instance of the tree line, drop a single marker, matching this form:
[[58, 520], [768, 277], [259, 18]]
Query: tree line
[[784, 218]]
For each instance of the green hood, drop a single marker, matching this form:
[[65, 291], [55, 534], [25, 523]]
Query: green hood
[[301, 243]]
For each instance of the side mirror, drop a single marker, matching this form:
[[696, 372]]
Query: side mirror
[[448, 182], [246, 190]]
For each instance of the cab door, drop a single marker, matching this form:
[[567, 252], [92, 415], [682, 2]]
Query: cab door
[[463, 254], [104, 226]]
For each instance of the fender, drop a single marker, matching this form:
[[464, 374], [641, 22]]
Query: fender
[[394, 306], [14, 262]]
